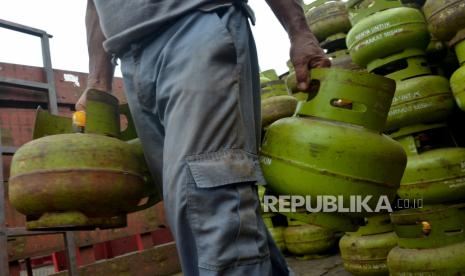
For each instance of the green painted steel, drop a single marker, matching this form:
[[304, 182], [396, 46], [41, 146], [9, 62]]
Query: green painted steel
[[333, 145], [460, 51], [270, 74], [424, 99], [90, 175], [365, 252], [264, 80], [334, 221], [431, 241], [360, 9], [457, 84], [291, 83], [386, 33], [342, 59], [277, 233], [445, 17], [407, 68], [435, 176], [305, 239], [334, 43], [443, 261], [436, 50], [276, 103], [129, 133], [77, 181], [48, 124], [277, 107], [431, 226], [328, 19], [381, 63], [102, 112], [273, 88]]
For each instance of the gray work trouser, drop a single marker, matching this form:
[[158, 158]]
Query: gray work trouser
[[193, 91]]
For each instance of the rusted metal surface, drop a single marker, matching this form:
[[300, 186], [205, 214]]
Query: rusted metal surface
[[159, 260], [69, 85], [30, 246], [17, 115]]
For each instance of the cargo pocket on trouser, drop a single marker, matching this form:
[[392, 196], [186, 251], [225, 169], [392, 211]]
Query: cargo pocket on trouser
[[223, 209]]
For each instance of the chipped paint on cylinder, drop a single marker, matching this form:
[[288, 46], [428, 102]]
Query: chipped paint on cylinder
[[307, 239], [94, 175], [423, 99], [438, 251], [445, 17], [433, 176], [328, 19], [386, 33], [365, 252], [277, 107]]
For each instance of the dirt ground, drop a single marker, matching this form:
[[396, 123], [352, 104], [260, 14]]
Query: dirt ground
[[329, 266]]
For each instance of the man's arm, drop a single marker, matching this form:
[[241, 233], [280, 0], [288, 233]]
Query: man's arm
[[305, 50], [100, 67]]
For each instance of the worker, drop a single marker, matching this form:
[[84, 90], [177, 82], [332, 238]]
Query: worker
[[191, 79]]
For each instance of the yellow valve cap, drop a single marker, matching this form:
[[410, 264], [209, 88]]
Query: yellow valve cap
[[79, 118], [426, 227]]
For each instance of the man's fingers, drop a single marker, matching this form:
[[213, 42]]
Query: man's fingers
[[321, 63], [301, 73]]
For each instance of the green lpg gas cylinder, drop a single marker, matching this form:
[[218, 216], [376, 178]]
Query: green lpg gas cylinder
[[434, 170], [306, 239], [275, 101], [420, 97], [77, 181], [431, 241], [445, 17], [360, 9], [277, 107], [386, 33], [436, 50], [365, 252], [457, 84], [276, 232], [328, 18], [333, 145], [458, 44], [342, 59], [457, 80], [291, 83], [271, 85]]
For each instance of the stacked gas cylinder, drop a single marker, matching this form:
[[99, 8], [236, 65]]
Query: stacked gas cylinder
[[333, 145], [392, 40], [335, 134], [275, 101]]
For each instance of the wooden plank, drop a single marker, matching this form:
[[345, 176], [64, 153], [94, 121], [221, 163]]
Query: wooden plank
[[159, 260]]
